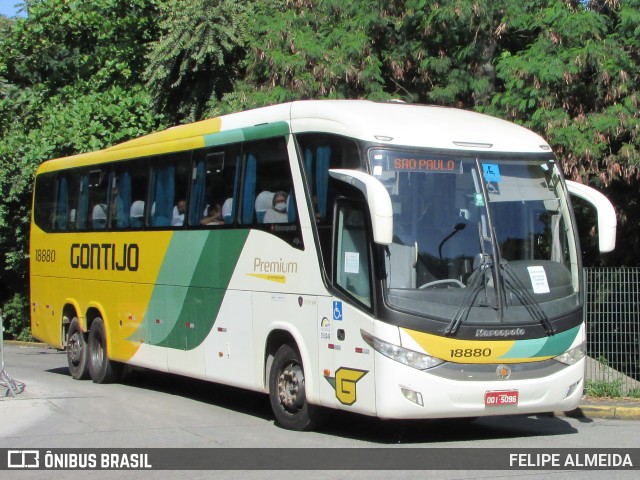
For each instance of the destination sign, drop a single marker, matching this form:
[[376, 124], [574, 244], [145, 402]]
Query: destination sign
[[428, 165], [408, 161]]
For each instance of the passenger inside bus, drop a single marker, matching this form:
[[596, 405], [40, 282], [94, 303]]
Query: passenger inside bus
[[178, 213], [212, 215], [278, 211], [264, 202]]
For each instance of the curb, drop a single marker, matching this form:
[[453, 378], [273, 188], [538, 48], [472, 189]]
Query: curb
[[609, 412], [21, 343]]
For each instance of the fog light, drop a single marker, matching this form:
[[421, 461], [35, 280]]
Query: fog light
[[572, 388], [412, 396]]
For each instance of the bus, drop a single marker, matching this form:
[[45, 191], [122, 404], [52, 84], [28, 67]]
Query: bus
[[393, 260]]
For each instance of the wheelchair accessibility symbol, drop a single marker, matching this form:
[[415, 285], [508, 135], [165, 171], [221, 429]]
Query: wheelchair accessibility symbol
[[337, 310]]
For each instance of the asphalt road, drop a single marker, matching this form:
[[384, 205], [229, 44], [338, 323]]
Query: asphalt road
[[152, 410]]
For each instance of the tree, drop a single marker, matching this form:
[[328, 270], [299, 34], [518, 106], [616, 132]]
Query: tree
[[197, 58], [61, 42], [310, 49], [74, 89], [577, 84]]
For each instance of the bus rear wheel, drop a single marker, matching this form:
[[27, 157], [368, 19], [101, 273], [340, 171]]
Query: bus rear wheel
[[77, 351], [287, 392], [102, 369]]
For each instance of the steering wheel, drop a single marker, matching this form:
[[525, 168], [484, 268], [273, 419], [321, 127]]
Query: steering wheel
[[435, 283]]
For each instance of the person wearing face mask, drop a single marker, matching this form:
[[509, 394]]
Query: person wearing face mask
[[278, 212]]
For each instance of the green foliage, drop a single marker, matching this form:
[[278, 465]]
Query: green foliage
[[61, 42], [608, 388], [197, 57], [74, 121], [15, 314], [598, 388], [576, 83], [310, 49], [69, 83]]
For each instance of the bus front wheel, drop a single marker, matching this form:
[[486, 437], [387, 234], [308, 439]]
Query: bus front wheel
[[102, 369], [77, 351], [287, 392]]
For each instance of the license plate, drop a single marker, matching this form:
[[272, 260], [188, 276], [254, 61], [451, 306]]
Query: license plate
[[497, 399]]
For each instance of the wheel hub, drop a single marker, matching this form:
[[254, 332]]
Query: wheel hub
[[74, 347], [291, 387]]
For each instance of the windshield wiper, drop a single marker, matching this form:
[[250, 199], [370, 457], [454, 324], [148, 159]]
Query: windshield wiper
[[525, 298], [495, 250], [476, 283], [487, 262]]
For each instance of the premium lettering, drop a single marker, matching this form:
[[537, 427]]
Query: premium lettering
[[105, 256], [280, 266]]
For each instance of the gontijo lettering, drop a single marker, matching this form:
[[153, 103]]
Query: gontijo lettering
[[105, 256]]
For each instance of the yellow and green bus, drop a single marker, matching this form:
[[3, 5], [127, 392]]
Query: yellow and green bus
[[394, 260]]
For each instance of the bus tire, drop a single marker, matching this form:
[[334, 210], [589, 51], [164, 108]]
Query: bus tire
[[77, 351], [101, 369], [287, 392]]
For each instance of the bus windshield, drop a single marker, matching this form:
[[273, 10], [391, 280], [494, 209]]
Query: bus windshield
[[478, 240]]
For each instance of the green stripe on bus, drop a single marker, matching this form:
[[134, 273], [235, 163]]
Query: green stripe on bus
[[223, 138], [190, 287], [543, 347], [269, 130], [258, 132], [558, 343]]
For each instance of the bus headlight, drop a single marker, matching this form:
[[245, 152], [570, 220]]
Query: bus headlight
[[572, 356], [399, 354]]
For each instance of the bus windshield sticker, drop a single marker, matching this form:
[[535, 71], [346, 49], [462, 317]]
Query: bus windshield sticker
[[351, 262], [478, 199], [491, 172], [538, 279]]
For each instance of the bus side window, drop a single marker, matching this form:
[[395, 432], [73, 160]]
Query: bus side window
[[267, 171], [82, 212], [213, 185], [128, 193], [100, 183], [168, 190], [138, 170], [320, 152], [62, 215], [119, 213], [89, 198], [44, 212], [352, 259]]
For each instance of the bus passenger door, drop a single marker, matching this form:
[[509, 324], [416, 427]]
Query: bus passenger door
[[350, 373]]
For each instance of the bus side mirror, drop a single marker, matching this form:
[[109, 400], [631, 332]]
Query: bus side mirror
[[377, 198], [607, 222]]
